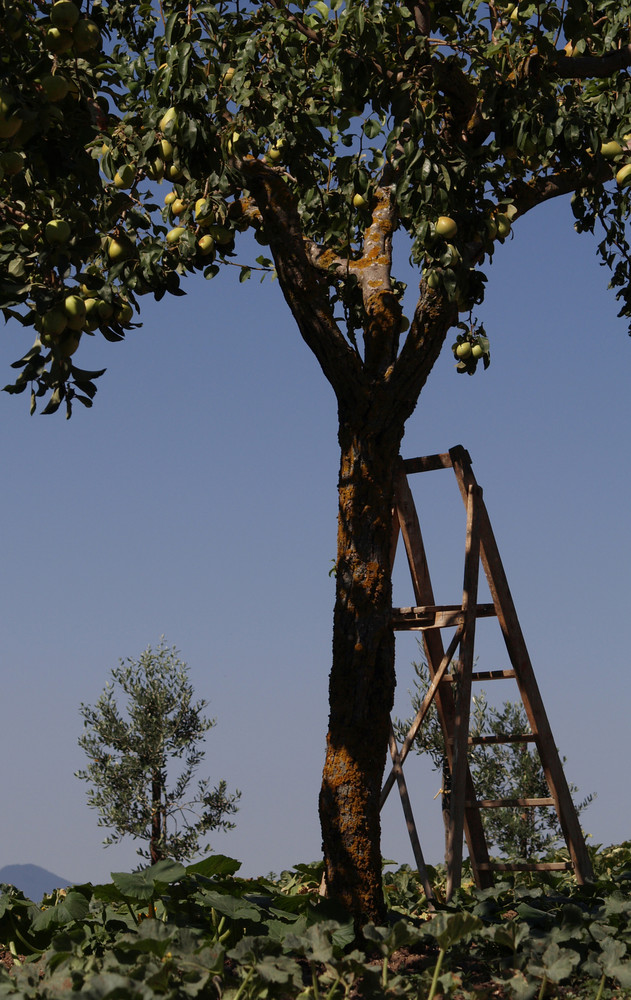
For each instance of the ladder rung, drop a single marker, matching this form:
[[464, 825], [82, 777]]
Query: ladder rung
[[501, 803], [483, 675], [492, 675], [526, 866], [435, 616], [505, 738]]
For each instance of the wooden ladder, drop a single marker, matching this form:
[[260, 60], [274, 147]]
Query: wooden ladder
[[454, 708]]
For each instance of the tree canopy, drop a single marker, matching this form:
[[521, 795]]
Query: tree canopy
[[331, 133], [131, 754], [335, 125]]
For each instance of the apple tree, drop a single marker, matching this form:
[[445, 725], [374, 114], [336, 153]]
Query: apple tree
[[333, 133]]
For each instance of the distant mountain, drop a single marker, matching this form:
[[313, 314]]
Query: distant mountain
[[32, 880]]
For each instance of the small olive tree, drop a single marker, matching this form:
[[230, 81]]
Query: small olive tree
[[499, 771], [129, 756]]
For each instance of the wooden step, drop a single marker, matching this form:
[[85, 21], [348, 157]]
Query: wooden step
[[484, 675], [526, 866], [505, 803], [435, 616], [503, 738]]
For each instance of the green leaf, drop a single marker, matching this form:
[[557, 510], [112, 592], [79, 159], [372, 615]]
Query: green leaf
[[74, 906], [215, 864], [450, 928]]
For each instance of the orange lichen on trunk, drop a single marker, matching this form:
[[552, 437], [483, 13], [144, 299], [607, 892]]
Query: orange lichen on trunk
[[361, 688]]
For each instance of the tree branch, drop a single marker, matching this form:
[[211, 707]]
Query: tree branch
[[579, 67], [305, 288]]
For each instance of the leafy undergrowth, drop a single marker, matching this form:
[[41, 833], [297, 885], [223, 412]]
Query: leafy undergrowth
[[200, 931]]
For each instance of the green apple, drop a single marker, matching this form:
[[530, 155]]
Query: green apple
[[125, 176], [204, 214], [172, 172], [12, 162], [28, 234], [170, 197], [69, 344], [166, 149], [74, 306], [274, 154], [10, 123], [57, 231], [58, 41], [124, 312], [433, 280], [503, 224], [446, 226], [104, 309], [7, 100], [463, 350], [155, 169], [358, 200], [117, 250], [54, 322], [54, 87], [86, 36], [476, 351], [610, 149], [206, 245], [64, 14], [178, 207], [220, 234], [173, 236], [623, 177], [228, 75], [168, 117]]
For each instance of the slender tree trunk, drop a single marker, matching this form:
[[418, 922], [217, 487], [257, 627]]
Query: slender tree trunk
[[156, 817], [362, 681]]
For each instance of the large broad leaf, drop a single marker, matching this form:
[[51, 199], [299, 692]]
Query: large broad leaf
[[166, 872], [449, 928], [143, 885], [138, 887], [233, 907], [74, 906], [216, 864]]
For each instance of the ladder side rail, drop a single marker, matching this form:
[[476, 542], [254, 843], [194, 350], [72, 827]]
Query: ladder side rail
[[525, 676], [460, 768], [417, 851], [434, 652], [422, 712]]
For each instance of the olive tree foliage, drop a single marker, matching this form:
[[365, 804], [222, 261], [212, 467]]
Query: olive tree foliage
[[131, 754], [334, 133], [499, 771]]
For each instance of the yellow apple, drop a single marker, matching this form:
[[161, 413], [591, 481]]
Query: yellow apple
[[446, 226], [173, 236], [623, 177], [168, 117], [206, 245]]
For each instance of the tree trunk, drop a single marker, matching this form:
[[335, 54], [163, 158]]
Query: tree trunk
[[362, 681], [156, 817]]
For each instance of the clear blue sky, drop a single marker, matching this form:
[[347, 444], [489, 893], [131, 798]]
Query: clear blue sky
[[197, 499]]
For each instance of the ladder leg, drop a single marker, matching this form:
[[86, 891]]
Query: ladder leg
[[460, 768], [525, 677], [434, 651], [409, 818]]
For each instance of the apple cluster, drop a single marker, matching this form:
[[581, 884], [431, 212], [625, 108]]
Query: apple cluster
[[69, 32], [469, 348]]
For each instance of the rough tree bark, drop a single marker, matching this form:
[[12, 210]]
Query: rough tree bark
[[376, 390], [362, 679]]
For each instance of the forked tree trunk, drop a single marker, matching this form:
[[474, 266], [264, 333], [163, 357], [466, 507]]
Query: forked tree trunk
[[362, 681]]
